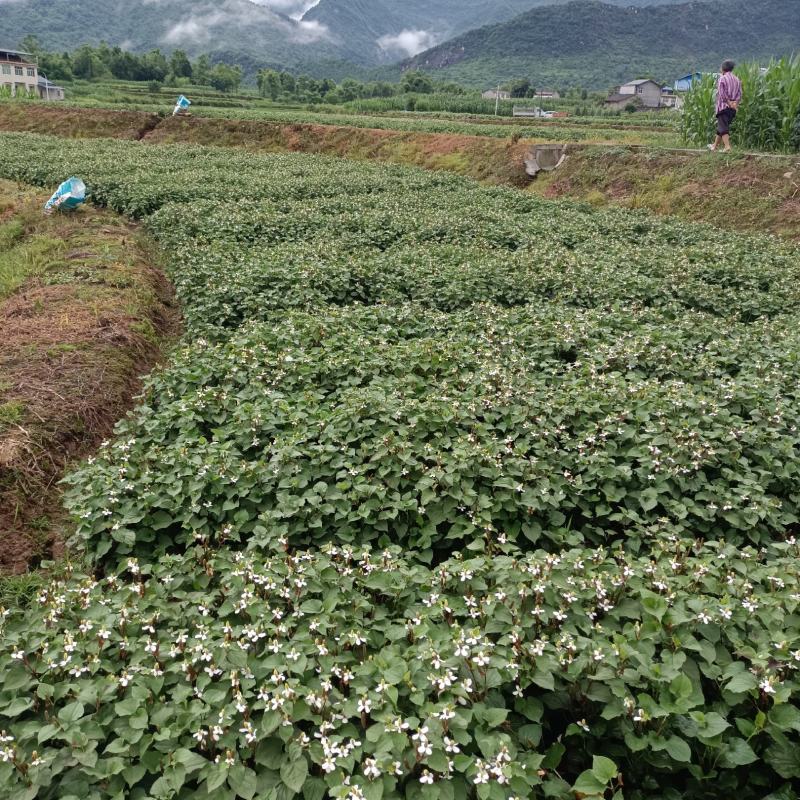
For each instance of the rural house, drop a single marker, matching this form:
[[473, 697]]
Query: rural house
[[644, 93], [685, 83], [48, 90], [18, 73], [494, 94], [671, 99]]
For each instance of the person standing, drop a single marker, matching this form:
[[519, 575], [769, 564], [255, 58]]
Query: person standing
[[729, 95]]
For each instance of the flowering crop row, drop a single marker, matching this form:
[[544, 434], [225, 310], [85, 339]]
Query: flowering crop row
[[447, 493]]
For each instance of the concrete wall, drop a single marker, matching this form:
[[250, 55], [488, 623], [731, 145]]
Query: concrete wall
[[649, 94], [19, 76]]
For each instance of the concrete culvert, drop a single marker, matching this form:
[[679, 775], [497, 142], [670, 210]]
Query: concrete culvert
[[545, 157]]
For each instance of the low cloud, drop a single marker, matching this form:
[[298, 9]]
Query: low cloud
[[195, 29], [202, 27], [408, 42], [295, 9]]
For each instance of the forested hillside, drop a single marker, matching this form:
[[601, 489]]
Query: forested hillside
[[236, 28], [332, 35], [594, 44], [387, 30]]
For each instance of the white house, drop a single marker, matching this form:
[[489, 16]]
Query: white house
[[18, 72], [494, 94]]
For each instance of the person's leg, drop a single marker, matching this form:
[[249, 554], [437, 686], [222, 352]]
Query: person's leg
[[726, 141], [718, 139]]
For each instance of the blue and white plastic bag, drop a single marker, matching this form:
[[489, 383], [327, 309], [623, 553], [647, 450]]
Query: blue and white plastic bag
[[68, 196], [182, 105]]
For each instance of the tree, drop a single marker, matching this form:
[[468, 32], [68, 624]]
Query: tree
[[56, 67], [520, 87], [179, 65], [416, 81], [31, 44], [350, 90], [269, 83], [327, 86], [87, 65], [225, 78], [201, 71], [154, 66], [288, 83]]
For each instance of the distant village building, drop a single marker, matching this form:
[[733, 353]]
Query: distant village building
[[685, 83], [20, 75], [671, 99], [547, 94], [494, 94], [48, 90], [532, 111], [643, 93]]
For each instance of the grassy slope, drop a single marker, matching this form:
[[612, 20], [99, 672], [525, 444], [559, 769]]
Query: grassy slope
[[82, 314], [738, 192]]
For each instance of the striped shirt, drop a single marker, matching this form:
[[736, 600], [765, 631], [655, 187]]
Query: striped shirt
[[729, 90]]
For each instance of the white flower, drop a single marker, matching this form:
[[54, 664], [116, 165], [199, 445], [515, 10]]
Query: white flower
[[426, 777], [328, 765], [364, 705], [371, 769], [482, 775]]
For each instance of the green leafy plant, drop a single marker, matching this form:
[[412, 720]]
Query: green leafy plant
[[448, 492]]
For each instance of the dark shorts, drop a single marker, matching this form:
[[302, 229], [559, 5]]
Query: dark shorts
[[724, 120]]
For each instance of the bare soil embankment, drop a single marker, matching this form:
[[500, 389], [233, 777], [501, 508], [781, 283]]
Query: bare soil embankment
[[84, 312]]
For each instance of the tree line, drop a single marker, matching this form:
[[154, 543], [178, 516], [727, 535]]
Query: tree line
[[105, 62], [284, 86]]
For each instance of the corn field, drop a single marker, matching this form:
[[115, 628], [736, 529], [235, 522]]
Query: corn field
[[769, 115]]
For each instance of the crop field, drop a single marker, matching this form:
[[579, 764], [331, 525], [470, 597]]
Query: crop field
[[579, 130], [448, 492]]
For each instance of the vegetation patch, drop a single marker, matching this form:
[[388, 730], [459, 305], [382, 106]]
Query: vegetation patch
[[450, 492], [73, 287]]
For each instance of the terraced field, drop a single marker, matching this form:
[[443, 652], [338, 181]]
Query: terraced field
[[449, 492]]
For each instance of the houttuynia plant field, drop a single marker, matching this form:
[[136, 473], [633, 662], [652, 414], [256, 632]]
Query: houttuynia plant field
[[447, 493]]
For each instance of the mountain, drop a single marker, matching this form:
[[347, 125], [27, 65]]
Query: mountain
[[253, 30], [319, 37], [594, 44], [383, 31]]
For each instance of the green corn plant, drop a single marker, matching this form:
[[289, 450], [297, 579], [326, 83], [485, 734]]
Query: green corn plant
[[697, 121], [769, 115]]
